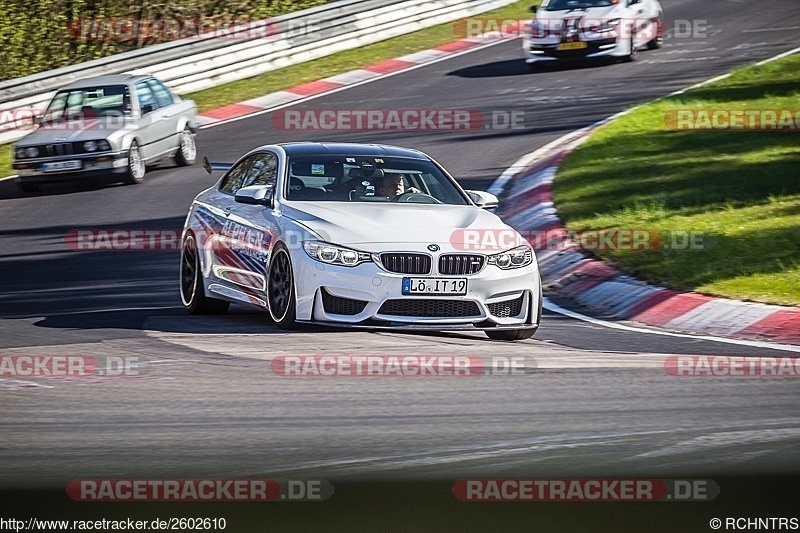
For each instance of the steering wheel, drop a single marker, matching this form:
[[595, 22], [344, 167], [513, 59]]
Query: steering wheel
[[416, 198]]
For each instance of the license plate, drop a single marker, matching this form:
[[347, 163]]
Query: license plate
[[572, 46], [433, 286], [61, 165]]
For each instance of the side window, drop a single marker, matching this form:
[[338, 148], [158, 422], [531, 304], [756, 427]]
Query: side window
[[146, 97], [263, 172], [162, 94], [235, 176]]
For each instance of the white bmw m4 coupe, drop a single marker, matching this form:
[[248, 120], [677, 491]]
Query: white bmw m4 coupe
[[357, 235]]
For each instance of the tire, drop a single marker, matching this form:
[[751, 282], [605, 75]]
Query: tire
[[136, 168], [193, 296], [656, 43], [281, 289], [26, 186], [511, 334], [187, 149]]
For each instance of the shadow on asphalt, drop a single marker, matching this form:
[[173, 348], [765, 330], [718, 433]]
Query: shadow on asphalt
[[518, 67]]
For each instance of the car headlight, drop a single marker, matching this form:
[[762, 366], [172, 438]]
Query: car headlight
[[608, 26], [335, 255], [19, 153], [90, 146], [31, 151], [103, 146], [516, 258]]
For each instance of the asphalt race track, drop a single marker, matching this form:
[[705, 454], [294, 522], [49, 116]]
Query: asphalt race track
[[207, 405]]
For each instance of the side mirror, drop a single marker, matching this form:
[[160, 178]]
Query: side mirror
[[255, 195], [534, 9], [38, 119], [484, 200]]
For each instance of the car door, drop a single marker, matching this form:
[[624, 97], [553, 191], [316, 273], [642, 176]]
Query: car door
[[248, 231], [152, 130], [169, 113]]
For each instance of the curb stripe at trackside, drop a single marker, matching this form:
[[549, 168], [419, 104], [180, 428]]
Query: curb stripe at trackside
[[526, 186], [376, 71]]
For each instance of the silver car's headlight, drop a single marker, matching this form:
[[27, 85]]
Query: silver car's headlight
[[31, 151], [103, 146], [335, 255], [90, 146], [516, 258]]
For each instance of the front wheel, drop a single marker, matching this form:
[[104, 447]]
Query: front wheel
[[511, 334], [193, 296], [136, 169], [280, 288]]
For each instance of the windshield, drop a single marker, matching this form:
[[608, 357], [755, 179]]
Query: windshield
[[369, 179], [89, 102], [560, 5]]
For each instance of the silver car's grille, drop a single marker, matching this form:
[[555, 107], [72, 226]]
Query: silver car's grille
[[419, 307], [59, 149], [406, 263], [461, 264]]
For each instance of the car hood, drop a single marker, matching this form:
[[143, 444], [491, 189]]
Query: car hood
[[384, 226], [73, 130]]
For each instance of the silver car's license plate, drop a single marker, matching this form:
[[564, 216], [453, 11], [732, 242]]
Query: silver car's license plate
[[434, 286], [61, 165]]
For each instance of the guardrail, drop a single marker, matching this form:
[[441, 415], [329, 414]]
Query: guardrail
[[195, 63]]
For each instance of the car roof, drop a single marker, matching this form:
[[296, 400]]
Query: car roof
[[113, 79], [353, 149]]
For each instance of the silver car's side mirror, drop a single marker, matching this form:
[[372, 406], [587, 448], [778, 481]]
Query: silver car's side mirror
[[484, 200], [255, 195]]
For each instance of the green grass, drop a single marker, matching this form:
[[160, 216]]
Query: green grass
[[739, 189], [345, 61], [327, 66]]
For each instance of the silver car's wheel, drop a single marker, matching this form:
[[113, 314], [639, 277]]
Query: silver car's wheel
[[187, 152], [136, 168], [193, 296], [280, 288]]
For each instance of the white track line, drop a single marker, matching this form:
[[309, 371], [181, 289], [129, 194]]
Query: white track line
[[555, 308]]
